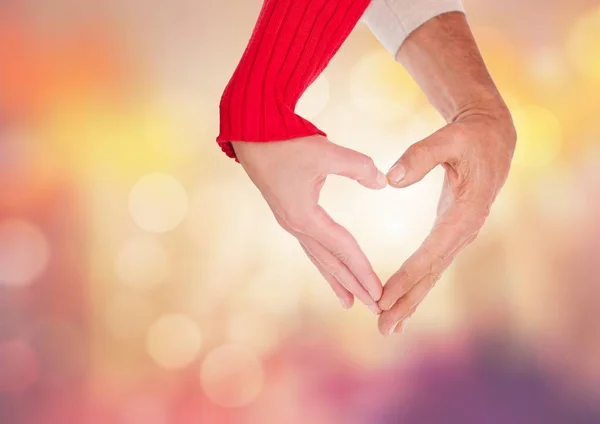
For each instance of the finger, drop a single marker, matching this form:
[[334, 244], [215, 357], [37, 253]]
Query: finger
[[451, 231], [355, 165], [401, 321], [391, 320], [345, 248], [334, 267], [346, 298], [420, 158], [395, 319]]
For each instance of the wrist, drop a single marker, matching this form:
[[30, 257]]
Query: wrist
[[484, 102], [492, 111], [290, 46]]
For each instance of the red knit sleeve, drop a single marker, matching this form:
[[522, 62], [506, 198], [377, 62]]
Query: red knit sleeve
[[292, 43]]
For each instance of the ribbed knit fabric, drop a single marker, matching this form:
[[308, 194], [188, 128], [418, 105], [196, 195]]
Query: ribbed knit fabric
[[292, 43]]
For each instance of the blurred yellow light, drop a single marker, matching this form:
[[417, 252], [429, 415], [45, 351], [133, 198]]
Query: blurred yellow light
[[158, 203], [142, 262], [24, 252], [128, 315], [584, 44], [315, 99], [499, 54], [560, 204], [232, 376], [193, 118], [108, 138], [173, 341], [381, 88], [539, 136], [19, 367]]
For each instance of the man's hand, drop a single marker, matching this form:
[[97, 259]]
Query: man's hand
[[475, 148], [476, 151], [290, 175]]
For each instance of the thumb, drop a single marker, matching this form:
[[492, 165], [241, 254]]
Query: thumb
[[420, 158], [357, 166]]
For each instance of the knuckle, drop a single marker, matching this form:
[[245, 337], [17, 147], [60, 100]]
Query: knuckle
[[436, 259], [366, 162], [343, 257], [420, 152], [474, 213], [404, 281], [472, 238], [415, 149], [477, 218], [401, 310], [396, 290], [330, 266]]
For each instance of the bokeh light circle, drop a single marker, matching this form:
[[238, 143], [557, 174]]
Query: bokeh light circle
[[381, 89], [232, 376], [158, 203], [315, 98], [539, 135], [547, 66], [142, 263], [19, 367], [24, 252], [128, 315], [173, 341], [584, 44]]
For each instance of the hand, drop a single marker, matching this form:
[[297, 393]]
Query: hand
[[290, 175], [476, 151]]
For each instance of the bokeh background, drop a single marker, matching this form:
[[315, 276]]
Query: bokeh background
[[143, 279]]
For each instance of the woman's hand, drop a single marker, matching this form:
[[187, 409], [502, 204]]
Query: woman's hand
[[290, 175]]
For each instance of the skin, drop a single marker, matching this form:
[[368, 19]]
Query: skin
[[290, 175], [475, 148]]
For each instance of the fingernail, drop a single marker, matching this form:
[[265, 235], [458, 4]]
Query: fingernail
[[345, 304], [375, 293], [382, 179], [393, 329], [397, 173], [375, 309]]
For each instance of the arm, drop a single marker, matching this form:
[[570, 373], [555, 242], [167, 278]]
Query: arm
[[475, 148], [292, 43], [392, 21]]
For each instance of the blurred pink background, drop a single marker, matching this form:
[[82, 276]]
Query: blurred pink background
[[143, 279]]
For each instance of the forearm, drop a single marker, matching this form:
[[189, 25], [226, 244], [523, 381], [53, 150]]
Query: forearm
[[392, 21], [292, 43], [444, 60]]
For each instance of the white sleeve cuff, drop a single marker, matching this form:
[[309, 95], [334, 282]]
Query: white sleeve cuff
[[392, 21]]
